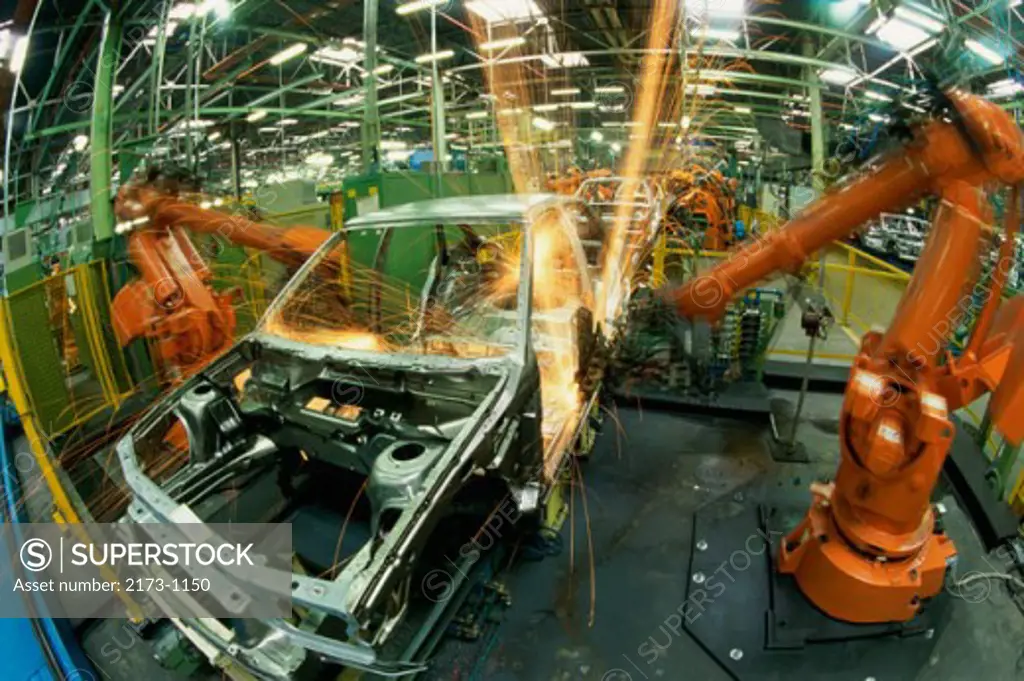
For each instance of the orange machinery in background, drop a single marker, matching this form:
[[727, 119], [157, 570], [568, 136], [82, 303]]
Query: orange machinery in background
[[868, 549], [702, 199], [173, 302]]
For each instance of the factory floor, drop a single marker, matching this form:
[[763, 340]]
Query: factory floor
[[602, 608]]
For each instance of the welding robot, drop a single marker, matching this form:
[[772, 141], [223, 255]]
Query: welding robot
[[869, 549], [172, 302]]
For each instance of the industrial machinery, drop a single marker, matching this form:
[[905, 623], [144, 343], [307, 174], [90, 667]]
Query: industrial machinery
[[869, 549], [702, 204], [427, 367], [173, 302]]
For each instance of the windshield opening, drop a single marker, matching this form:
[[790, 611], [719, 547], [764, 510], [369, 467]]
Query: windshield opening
[[432, 289]]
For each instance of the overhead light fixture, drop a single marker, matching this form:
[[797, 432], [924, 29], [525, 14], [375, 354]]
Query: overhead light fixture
[[418, 5], [564, 60], [503, 43], [715, 8], [14, 48], [838, 75], [596, 136], [877, 96], [434, 56], [269, 129], [213, 136], [1007, 87], [667, 124], [498, 11], [80, 142], [583, 106], [701, 89], [717, 34], [543, 124], [337, 56], [547, 107], [350, 99], [921, 16], [288, 121], [476, 114], [685, 122], [565, 92], [288, 53], [878, 118], [384, 68], [610, 90], [393, 145], [985, 52], [257, 115], [907, 27], [222, 8], [616, 147], [742, 109], [182, 11], [320, 159]]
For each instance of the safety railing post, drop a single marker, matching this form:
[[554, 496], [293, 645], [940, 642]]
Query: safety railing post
[[848, 292]]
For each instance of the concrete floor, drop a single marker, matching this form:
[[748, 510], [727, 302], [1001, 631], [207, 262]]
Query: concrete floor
[[598, 610]]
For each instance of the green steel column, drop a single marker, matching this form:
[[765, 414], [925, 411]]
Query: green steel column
[[437, 106], [371, 116], [817, 142], [102, 118]]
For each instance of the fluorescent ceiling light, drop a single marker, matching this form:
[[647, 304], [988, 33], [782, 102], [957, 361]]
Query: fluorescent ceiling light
[[510, 112], [342, 56], [269, 129], [721, 34], [616, 147], [985, 52], [476, 114], [877, 96], [609, 90], [497, 11], [901, 34], [434, 56], [547, 107], [288, 53], [701, 89], [742, 109], [878, 118], [928, 22], [596, 136], [320, 160], [543, 124], [183, 10], [350, 99], [564, 60], [213, 136], [288, 121], [715, 8], [80, 142], [393, 145], [565, 92], [222, 8], [417, 5], [667, 124], [384, 68], [258, 115], [838, 75], [503, 43], [583, 106], [685, 122], [1004, 88]]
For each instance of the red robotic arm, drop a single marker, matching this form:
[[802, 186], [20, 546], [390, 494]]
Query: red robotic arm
[[173, 301], [868, 550]]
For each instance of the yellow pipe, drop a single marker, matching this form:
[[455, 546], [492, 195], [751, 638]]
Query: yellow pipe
[[848, 293]]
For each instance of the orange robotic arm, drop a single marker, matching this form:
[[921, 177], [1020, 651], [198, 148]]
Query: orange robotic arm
[[173, 302], [868, 549]]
